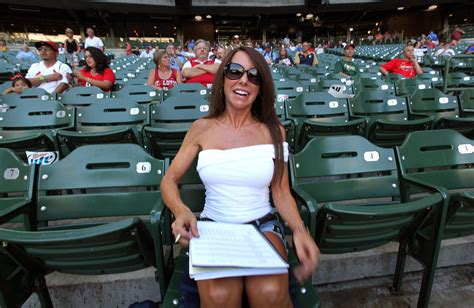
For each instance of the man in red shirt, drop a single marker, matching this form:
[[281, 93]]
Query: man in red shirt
[[407, 67], [201, 69]]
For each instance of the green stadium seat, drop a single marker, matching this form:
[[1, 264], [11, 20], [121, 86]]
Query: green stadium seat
[[306, 80], [406, 87], [288, 89], [466, 102], [81, 96], [187, 88], [140, 94], [170, 121], [373, 85], [101, 182], [443, 108], [357, 201], [444, 158], [292, 73], [33, 126], [33, 94], [325, 84], [114, 120], [459, 79], [16, 185], [320, 114], [387, 117]]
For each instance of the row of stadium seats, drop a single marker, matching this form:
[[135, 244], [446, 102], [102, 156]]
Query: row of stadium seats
[[352, 195]]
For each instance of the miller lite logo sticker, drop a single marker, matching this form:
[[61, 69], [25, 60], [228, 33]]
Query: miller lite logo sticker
[[42, 158]]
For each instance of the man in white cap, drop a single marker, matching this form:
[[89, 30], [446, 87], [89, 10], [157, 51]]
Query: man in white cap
[[49, 74]]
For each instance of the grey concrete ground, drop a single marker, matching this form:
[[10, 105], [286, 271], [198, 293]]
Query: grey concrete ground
[[453, 287]]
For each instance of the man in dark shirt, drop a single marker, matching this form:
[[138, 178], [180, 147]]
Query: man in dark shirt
[[305, 56]]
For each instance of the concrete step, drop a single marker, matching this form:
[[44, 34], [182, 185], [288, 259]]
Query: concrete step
[[121, 290]]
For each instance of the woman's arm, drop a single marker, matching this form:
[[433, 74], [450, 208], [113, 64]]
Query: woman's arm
[[179, 79], [185, 222], [306, 248]]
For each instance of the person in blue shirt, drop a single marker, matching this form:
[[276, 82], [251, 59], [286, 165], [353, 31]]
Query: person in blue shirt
[[25, 53], [268, 54], [433, 37]]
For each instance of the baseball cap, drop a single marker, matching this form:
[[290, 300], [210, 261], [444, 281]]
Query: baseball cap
[[46, 43], [350, 45]]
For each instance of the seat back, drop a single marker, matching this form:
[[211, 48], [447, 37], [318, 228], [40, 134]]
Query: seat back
[[101, 180], [325, 84], [466, 102], [444, 158], [355, 184], [318, 105], [81, 96], [179, 110], [16, 180], [140, 94], [378, 105], [433, 102], [186, 88], [410, 85], [288, 89], [35, 94]]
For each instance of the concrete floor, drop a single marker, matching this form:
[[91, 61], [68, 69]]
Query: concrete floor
[[453, 287]]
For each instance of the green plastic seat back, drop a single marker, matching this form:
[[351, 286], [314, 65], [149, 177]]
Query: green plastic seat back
[[292, 73], [82, 96], [410, 85], [433, 102], [444, 158], [324, 84], [373, 85], [288, 89], [186, 88], [393, 78], [16, 179], [459, 78], [101, 180], [345, 168], [34, 94], [318, 105], [36, 116], [179, 110], [307, 80], [140, 94], [378, 105], [111, 113], [466, 101]]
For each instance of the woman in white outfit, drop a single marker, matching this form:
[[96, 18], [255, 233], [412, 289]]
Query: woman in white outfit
[[241, 159]]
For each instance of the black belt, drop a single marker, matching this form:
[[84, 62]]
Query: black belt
[[256, 222]]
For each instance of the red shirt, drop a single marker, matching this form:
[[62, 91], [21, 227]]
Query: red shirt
[[166, 84], [400, 66], [204, 79], [108, 75]]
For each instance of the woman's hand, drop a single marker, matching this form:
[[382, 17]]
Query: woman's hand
[[308, 254], [79, 75], [185, 226]]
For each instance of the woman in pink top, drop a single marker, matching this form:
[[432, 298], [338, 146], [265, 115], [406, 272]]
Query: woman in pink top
[[163, 76]]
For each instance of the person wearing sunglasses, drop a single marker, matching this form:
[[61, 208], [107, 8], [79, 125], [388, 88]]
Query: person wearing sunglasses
[[201, 69], [241, 144]]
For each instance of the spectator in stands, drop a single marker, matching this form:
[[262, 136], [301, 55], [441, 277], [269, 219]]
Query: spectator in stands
[[50, 74], [72, 48], [445, 51], [243, 127], [175, 60], [457, 33], [200, 69], [407, 67], [221, 53], [25, 53], [346, 65], [284, 58], [163, 76], [433, 37], [430, 44], [268, 54], [19, 84], [61, 49], [469, 50], [305, 56], [3, 46], [96, 72], [92, 40], [147, 53], [128, 48]]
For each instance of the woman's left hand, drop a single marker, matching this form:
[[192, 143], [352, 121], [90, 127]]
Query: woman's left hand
[[79, 75], [308, 255]]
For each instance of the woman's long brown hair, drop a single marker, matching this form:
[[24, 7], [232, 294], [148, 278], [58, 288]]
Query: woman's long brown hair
[[263, 108]]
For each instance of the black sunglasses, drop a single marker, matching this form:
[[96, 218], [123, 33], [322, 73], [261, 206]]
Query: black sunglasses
[[234, 71]]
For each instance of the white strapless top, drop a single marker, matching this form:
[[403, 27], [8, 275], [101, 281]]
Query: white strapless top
[[237, 182]]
